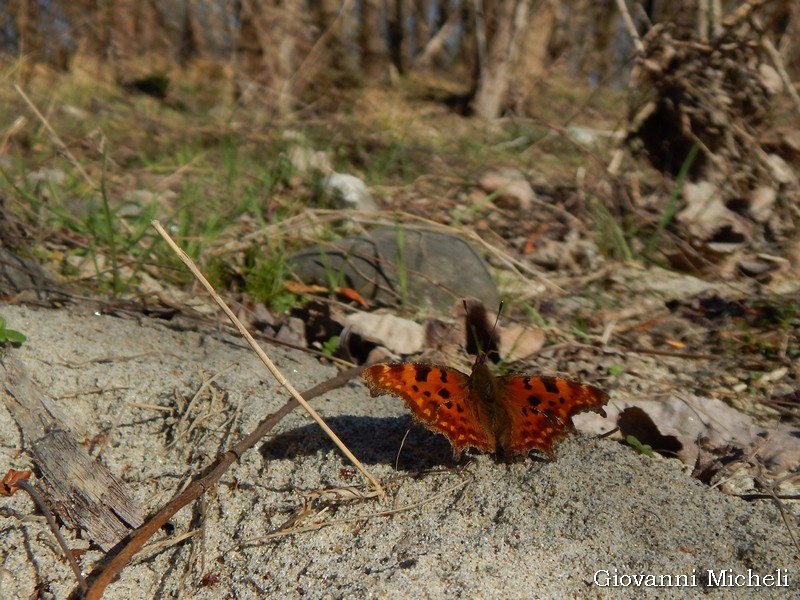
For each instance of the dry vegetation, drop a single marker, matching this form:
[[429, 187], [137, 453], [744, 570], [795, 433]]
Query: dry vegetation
[[655, 244], [705, 183]]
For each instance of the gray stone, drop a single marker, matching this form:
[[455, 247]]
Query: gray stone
[[391, 266]]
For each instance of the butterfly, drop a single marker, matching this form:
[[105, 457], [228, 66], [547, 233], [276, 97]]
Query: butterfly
[[507, 415]]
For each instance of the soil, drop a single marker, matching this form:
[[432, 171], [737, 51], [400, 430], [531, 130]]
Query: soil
[[156, 401]]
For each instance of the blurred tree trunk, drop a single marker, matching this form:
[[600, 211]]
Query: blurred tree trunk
[[194, 42], [398, 48], [469, 54], [289, 22], [27, 24], [267, 52], [247, 48], [504, 26], [87, 19], [532, 60], [598, 49], [285, 50], [137, 29], [422, 22], [446, 25], [29, 40], [329, 16], [374, 56]]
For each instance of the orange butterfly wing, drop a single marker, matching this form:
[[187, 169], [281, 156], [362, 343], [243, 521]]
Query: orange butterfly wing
[[438, 397], [540, 410]]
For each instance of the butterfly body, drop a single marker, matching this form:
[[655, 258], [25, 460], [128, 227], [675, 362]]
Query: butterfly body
[[507, 415]]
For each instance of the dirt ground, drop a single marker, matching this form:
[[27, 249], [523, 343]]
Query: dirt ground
[[156, 401]]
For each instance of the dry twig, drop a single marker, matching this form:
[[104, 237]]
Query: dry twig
[[205, 481], [626, 18], [23, 484], [779, 66], [265, 359], [213, 473]]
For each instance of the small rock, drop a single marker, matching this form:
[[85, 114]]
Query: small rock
[[305, 159], [75, 112], [770, 78], [142, 198], [348, 191], [761, 201], [512, 189], [56, 176], [755, 268], [781, 171]]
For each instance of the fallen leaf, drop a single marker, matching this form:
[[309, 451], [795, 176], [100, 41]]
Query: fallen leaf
[[707, 219], [298, 288], [533, 239], [8, 485], [689, 418], [509, 189], [401, 336], [518, 342], [353, 295]]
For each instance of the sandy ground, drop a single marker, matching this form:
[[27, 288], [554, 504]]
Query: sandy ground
[[477, 530]]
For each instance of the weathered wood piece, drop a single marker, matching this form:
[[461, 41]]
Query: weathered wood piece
[[79, 489]]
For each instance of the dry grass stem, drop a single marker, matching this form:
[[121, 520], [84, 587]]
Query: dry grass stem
[[51, 521], [781, 68], [156, 547], [62, 147], [628, 21], [287, 529], [267, 361]]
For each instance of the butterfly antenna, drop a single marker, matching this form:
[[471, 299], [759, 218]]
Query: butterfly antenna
[[400, 449], [497, 319]]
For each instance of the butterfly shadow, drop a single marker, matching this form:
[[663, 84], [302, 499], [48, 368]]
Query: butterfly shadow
[[373, 440]]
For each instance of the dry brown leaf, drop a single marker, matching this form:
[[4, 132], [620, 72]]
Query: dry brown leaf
[[706, 218], [399, 335], [447, 336], [518, 342], [8, 485], [675, 344], [689, 418], [296, 287], [533, 238], [351, 294]]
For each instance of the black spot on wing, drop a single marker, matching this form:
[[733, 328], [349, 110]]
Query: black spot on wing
[[422, 373], [550, 385]]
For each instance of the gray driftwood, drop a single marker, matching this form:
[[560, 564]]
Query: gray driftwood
[[79, 489]]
